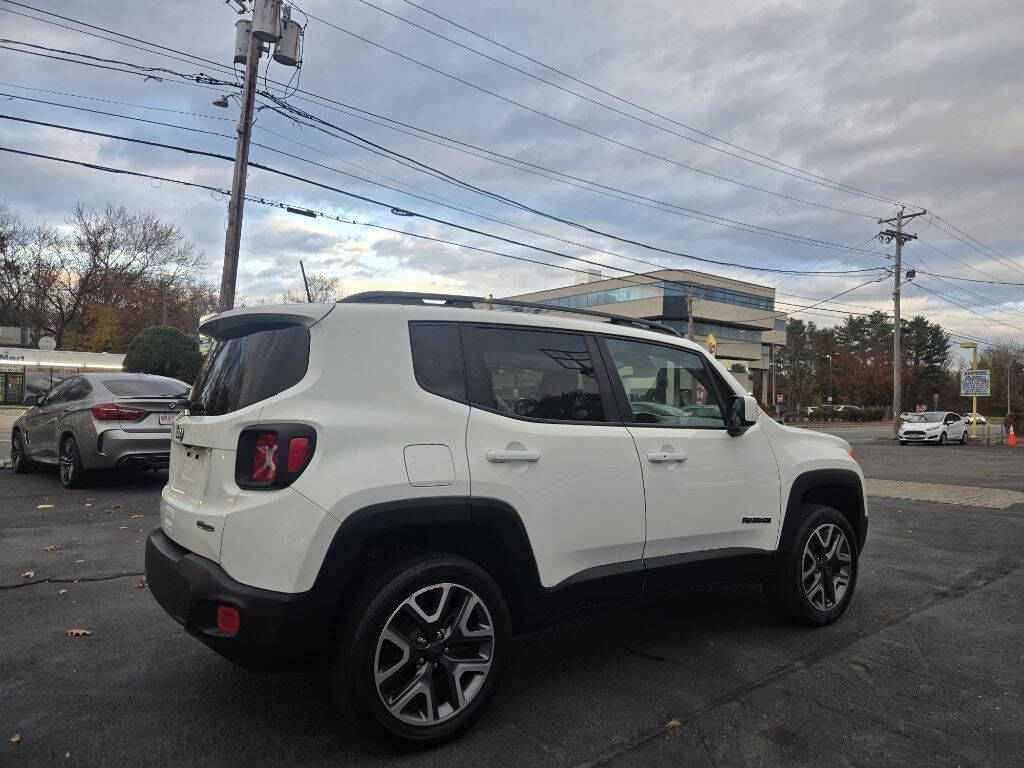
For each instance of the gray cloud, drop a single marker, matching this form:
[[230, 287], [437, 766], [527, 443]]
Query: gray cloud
[[918, 100]]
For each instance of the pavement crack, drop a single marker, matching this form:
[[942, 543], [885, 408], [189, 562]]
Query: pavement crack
[[79, 580], [971, 582]]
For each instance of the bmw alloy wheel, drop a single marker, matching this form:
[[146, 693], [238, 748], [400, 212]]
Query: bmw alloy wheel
[[434, 654], [826, 567], [68, 457]]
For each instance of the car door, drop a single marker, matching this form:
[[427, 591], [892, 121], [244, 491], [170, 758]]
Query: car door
[[713, 499], [42, 430], [544, 437], [956, 427]]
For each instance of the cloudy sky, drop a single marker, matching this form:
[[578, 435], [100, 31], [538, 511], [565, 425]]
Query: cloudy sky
[[921, 102]]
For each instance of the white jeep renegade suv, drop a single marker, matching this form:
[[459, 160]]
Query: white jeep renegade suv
[[402, 481]]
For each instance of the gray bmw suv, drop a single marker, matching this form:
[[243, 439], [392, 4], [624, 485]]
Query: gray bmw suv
[[98, 421]]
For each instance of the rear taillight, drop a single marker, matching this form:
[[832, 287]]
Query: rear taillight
[[273, 455], [264, 459], [298, 450], [114, 412]]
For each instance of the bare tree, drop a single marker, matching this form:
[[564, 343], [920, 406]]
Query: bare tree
[[322, 288]]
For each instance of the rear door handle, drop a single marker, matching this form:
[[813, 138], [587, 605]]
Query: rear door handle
[[500, 457], [661, 457]]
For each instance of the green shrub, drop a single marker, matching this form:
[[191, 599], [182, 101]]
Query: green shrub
[[164, 351]]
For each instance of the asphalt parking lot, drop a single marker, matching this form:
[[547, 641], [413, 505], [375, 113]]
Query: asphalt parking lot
[[925, 669]]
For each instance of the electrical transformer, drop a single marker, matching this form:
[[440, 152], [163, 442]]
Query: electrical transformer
[[288, 50], [243, 28], [266, 20]]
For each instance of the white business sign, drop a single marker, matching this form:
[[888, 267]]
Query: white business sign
[[975, 383]]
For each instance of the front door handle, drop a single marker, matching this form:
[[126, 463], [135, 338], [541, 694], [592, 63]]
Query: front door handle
[[661, 457], [500, 457]]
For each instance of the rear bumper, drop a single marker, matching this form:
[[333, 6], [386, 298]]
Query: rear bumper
[[278, 631], [118, 448]]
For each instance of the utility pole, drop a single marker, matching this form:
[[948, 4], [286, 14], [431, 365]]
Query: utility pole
[[269, 25], [689, 313], [888, 236], [233, 238]]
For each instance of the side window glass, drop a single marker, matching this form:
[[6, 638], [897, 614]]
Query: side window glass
[[539, 375], [56, 395], [665, 385], [437, 359]]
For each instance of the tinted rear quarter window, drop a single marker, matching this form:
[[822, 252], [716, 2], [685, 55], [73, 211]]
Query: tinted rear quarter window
[[437, 359], [537, 374], [252, 364], [137, 386]]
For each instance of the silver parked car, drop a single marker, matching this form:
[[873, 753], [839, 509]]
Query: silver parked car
[[98, 421]]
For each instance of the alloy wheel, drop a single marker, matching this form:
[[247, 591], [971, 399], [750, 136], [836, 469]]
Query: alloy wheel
[[434, 654], [16, 450], [826, 567], [68, 456]]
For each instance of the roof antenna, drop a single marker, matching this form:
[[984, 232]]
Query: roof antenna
[[309, 296]]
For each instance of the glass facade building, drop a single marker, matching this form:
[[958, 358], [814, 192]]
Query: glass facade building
[[661, 288]]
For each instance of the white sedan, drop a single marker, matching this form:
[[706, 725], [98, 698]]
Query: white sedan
[[933, 427]]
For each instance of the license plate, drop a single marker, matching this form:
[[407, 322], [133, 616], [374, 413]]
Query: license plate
[[166, 418]]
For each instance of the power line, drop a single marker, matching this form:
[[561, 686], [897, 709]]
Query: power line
[[304, 211], [976, 240], [708, 217], [395, 209], [451, 204], [421, 215], [634, 104], [800, 175], [718, 220], [581, 128]]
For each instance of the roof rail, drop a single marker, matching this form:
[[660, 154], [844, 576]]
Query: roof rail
[[471, 302]]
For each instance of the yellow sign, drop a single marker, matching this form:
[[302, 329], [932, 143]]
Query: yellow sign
[[712, 344]]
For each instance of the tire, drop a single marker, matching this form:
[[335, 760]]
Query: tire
[[963, 438], [20, 462], [942, 439], [378, 634], [72, 473], [903, 442], [796, 597]]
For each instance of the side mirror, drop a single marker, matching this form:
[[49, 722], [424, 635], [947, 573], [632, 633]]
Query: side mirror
[[741, 413], [32, 400]]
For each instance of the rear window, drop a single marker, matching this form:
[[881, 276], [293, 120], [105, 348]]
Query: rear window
[[138, 386], [251, 365]]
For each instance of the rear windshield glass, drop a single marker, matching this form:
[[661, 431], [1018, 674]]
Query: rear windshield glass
[[251, 366], [136, 386]]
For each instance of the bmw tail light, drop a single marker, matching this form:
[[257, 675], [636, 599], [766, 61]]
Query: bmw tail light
[[114, 412], [273, 455]]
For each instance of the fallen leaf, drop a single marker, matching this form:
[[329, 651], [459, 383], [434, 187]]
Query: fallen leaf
[[53, 548], [136, 517], [15, 738], [28, 574], [45, 506], [142, 582], [79, 561], [88, 504], [62, 592], [122, 527], [673, 723], [77, 632]]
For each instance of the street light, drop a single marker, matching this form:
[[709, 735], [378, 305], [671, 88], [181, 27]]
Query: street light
[[973, 346], [829, 377]]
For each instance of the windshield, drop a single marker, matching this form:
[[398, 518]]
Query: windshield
[[145, 386], [930, 416], [254, 363]]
